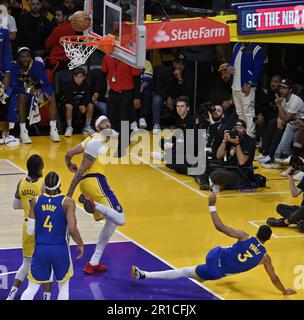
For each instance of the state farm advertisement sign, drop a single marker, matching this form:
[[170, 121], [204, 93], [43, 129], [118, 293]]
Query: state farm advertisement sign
[[192, 32]]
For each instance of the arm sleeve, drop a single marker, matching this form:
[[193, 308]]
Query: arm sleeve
[[17, 204]]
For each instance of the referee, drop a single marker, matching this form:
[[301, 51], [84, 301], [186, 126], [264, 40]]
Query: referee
[[124, 95]]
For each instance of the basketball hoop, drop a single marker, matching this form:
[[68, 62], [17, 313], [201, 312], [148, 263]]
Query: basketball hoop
[[78, 48]]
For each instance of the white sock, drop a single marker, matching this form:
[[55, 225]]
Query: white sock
[[11, 295], [103, 240], [110, 214], [11, 125], [24, 269], [46, 295], [22, 126], [69, 122], [172, 274], [30, 291], [53, 124], [63, 290]]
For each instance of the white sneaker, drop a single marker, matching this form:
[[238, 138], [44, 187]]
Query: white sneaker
[[271, 165], [24, 137], [88, 131], [11, 141], [259, 157], [285, 173], [298, 176], [54, 135], [284, 162], [142, 123], [68, 132], [157, 155], [133, 126], [156, 129], [265, 159]]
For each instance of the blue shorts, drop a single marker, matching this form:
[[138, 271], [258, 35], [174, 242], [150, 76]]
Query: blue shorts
[[51, 257], [211, 270]]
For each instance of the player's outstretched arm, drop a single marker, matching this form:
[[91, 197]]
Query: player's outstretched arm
[[70, 208], [274, 278], [70, 154], [220, 226], [86, 163]]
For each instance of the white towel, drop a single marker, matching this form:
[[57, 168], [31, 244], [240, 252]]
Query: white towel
[[34, 115]]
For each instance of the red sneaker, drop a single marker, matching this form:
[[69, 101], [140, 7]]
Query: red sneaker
[[90, 269]]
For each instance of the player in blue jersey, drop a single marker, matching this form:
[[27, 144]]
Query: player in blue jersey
[[245, 254], [52, 218]]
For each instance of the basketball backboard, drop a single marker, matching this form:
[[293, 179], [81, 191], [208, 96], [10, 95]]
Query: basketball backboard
[[125, 20]]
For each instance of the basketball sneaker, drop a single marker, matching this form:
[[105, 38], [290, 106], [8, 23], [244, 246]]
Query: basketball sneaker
[[54, 135], [90, 269], [89, 206], [137, 273], [68, 132], [24, 137], [273, 222]]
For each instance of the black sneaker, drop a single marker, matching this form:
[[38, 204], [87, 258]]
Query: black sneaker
[[301, 226], [273, 222], [88, 203], [137, 273]]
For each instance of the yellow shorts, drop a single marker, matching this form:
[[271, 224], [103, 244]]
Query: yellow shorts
[[96, 187], [28, 242]]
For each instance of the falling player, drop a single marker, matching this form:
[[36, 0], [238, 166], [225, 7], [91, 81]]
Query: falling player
[[97, 197], [245, 254]]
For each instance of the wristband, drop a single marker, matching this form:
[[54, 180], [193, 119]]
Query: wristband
[[212, 209], [28, 90]]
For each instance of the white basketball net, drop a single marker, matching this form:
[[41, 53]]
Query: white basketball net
[[77, 53]]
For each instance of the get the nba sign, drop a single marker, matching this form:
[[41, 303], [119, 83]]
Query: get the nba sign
[[259, 19], [3, 277], [200, 31]]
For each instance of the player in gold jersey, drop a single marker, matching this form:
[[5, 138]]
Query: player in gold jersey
[[96, 196], [28, 188]]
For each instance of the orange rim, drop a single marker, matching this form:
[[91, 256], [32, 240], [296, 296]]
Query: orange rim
[[89, 41]]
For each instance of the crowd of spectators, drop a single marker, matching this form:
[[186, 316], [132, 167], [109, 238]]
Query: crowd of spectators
[[248, 98]]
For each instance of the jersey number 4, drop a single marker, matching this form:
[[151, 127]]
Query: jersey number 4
[[48, 223]]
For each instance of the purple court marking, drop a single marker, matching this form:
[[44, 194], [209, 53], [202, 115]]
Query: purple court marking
[[116, 283]]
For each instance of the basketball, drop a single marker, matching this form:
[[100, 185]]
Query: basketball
[[80, 21]]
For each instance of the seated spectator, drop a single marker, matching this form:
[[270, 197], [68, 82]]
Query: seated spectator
[[169, 84], [33, 29], [11, 22], [145, 94], [237, 152], [290, 107], [178, 142], [29, 80], [265, 108], [77, 97], [63, 28], [291, 214], [215, 134], [296, 152]]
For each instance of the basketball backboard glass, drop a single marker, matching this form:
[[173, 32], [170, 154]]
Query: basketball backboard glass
[[125, 20]]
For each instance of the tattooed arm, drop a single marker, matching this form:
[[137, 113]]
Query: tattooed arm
[[86, 163]]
